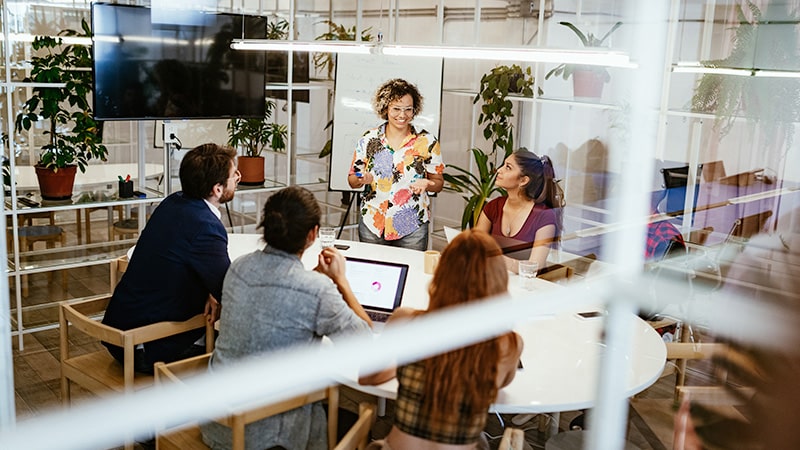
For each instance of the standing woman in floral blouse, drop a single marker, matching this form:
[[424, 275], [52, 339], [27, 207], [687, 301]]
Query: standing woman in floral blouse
[[397, 165]]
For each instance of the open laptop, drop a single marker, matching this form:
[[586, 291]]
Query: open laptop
[[378, 285]]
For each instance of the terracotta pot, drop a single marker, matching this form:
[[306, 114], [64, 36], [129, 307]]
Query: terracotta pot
[[252, 170], [587, 83], [56, 185]]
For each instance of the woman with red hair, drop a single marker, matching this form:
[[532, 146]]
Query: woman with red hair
[[443, 401]]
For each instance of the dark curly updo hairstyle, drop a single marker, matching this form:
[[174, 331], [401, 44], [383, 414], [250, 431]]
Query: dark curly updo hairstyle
[[289, 215], [392, 90]]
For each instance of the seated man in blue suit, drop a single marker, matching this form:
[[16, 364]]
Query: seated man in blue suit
[[180, 259]]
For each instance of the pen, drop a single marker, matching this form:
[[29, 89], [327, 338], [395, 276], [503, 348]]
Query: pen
[[128, 178], [120, 177]]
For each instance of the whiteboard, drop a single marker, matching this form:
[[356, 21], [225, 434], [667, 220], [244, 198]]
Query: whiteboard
[[357, 79]]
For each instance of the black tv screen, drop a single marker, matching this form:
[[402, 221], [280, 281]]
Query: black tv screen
[[147, 70]]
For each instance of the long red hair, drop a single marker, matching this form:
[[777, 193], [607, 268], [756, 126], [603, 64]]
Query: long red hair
[[471, 268]]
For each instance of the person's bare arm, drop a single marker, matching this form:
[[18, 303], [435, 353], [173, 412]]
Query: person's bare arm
[[388, 373], [332, 264], [507, 366], [539, 251], [484, 224]]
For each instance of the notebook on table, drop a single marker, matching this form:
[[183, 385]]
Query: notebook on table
[[378, 285]]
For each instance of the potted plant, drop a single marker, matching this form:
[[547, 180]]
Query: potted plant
[[587, 81], [74, 136], [770, 101], [496, 110], [254, 135]]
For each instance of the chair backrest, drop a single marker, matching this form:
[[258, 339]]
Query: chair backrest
[[117, 268], [747, 226], [237, 418], [513, 439], [83, 315]]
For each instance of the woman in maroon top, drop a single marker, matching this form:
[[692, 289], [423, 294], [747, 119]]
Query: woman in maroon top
[[533, 208]]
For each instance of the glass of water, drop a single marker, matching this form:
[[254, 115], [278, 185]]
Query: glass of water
[[326, 236], [527, 274]]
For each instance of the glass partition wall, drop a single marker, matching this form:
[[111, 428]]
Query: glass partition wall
[[719, 158]]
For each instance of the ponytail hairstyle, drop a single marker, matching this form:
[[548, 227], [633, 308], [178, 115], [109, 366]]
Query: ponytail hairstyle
[[543, 186], [464, 381], [289, 215]]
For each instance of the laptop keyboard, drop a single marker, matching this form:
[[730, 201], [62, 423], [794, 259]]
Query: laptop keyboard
[[377, 316]]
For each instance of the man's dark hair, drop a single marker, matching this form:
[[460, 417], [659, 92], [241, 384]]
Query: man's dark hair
[[204, 167]]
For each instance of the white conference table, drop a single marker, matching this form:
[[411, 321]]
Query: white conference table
[[562, 352]]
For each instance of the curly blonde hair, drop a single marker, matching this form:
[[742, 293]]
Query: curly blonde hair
[[392, 90]]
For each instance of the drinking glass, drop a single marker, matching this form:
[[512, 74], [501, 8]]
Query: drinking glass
[[326, 236], [527, 273]]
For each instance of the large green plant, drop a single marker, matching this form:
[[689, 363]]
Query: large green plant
[[256, 134], [496, 111], [588, 40], [69, 66], [772, 102]]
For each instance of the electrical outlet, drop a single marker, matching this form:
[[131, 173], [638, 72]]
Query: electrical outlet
[[170, 133]]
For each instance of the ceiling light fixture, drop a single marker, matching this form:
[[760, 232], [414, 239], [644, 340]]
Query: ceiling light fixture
[[608, 58]]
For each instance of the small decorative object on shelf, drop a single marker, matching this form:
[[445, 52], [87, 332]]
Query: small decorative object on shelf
[[587, 81], [68, 149]]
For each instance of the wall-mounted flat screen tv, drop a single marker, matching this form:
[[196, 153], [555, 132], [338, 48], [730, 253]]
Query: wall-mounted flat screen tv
[[147, 70]]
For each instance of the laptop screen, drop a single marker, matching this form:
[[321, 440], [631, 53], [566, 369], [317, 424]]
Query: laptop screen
[[378, 285]]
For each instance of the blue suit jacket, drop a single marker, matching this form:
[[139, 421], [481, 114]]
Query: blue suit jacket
[[180, 258]]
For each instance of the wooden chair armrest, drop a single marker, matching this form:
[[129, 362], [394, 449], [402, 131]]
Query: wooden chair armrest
[[160, 330], [79, 315], [689, 350], [176, 371], [356, 436], [715, 395], [513, 439]]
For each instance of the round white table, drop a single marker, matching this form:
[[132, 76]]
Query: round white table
[[561, 355]]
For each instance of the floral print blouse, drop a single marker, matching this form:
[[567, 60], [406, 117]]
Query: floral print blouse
[[389, 208]]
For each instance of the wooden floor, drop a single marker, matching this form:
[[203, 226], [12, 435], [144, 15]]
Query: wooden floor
[[36, 382], [37, 390]]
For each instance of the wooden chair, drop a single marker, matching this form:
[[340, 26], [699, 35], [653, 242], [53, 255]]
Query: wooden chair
[[98, 371], [190, 437], [513, 439], [125, 227], [30, 235], [117, 268], [110, 215], [683, 351]]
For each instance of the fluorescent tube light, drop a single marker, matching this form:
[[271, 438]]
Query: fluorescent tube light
[[303, 46], [684, 67], [777, 74], [588, 57]]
